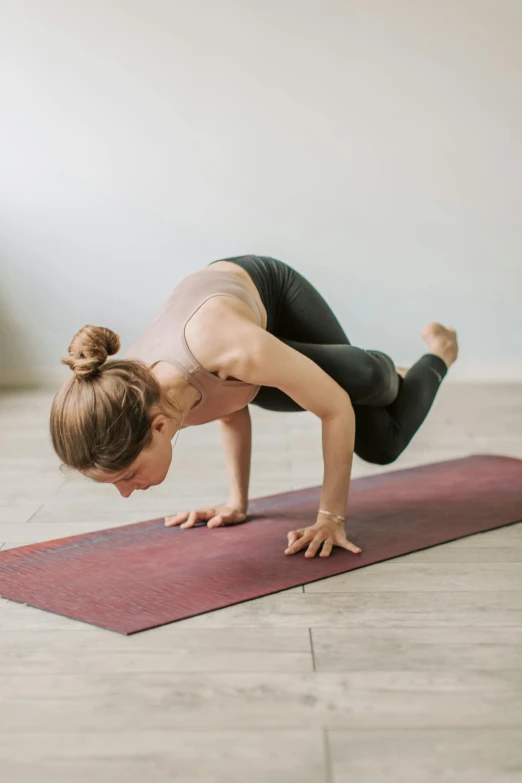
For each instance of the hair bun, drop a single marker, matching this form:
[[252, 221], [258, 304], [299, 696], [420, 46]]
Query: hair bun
[[89, 349]]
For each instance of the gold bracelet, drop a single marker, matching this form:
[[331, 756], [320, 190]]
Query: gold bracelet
[[329, 514]]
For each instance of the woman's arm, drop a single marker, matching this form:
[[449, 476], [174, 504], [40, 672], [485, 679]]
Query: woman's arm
[[269, 362], [236, 437], [338, 436]]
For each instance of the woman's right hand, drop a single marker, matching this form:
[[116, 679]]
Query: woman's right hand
[[216, 516]]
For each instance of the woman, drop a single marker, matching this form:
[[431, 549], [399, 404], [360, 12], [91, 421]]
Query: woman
[[262, 334]]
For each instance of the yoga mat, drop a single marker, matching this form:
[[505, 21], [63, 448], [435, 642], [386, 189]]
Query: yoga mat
[[139, 576]]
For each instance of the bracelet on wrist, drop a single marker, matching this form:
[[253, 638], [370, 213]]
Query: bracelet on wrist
[[329, 514]]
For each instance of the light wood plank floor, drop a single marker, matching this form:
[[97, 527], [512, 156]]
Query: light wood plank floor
[[409, 670]]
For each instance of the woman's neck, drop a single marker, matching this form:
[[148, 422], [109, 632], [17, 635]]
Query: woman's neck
[[182, 394]]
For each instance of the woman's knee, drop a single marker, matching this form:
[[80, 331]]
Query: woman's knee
[[382, 379], [386, 456], [273, 399], [379, 453]]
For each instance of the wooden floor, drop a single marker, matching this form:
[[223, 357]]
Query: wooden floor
[[408, 671]]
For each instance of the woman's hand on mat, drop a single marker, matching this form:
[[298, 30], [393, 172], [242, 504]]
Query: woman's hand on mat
[[216, 516], [325, 534]]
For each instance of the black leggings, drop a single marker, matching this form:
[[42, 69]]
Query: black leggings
[[388, 409]]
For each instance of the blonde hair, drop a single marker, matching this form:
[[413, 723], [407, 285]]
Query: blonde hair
[[101, 417]]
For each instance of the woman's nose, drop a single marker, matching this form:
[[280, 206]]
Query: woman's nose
[[125, 492]]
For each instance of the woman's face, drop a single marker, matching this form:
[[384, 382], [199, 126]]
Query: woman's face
[[150, 466]]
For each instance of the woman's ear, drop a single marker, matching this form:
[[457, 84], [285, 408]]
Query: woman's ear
[[159, 423]]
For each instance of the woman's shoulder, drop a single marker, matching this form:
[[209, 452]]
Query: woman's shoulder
[[212, 332]]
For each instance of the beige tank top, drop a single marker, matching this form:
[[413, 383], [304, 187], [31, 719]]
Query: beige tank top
[[164, 340]]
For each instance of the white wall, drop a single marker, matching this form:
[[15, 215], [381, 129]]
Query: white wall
[[375, 146]]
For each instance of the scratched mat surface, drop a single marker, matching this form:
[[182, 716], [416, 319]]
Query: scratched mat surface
[[140, 576]]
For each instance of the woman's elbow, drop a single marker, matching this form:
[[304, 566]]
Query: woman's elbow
[[340, 409]]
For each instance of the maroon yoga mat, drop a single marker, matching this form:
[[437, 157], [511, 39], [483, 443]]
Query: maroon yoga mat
[[131, 578]]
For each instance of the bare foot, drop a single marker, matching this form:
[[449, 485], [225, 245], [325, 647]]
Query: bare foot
[[441, 341], [402, 371]]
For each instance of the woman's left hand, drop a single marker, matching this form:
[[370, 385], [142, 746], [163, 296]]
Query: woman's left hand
[[326, 533]]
